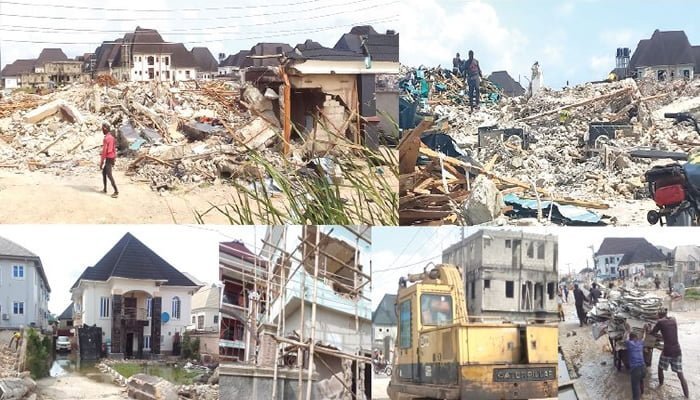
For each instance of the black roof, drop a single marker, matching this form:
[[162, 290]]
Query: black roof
[[510, 86], [385, 314], [635, 250], [235, 60], [311, 50], [380, 46], [204, 59], [696, 54], [130, 258], [265, 49], [663, 48], [67, 313]]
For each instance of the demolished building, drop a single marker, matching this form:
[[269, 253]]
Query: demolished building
[[51, 68], [315, 337]]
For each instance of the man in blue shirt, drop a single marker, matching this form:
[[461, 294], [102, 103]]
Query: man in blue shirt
[[635, 352]]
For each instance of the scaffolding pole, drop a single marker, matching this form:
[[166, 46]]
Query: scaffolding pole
[[357, 319], [313, 317], [280, 316]]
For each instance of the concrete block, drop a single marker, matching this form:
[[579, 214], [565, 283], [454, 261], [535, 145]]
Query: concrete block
[[68, 111], [147, 387]]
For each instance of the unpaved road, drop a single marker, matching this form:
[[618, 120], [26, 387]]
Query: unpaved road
[[593, 361], [74, 386], [41, 197]]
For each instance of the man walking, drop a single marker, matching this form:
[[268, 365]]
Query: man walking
[[108, 155], [635, 352], [671, 353], [566, 293], [473, 72], [457, 65], [579, 298]]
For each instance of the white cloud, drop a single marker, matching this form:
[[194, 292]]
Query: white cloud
[[565, 9], [431, 34], [614, 38], [602, 63]]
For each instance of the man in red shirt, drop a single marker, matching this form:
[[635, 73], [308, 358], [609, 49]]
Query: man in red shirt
[[109, 153]]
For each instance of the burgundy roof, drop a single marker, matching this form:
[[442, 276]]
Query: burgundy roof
[[18, 68], [239, 250]]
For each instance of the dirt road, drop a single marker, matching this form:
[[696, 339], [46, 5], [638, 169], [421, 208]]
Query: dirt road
[[74, 386], [592, 361], [40, 197]]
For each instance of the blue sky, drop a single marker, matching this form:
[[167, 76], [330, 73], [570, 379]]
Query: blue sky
[[572, 40], [226, 27]]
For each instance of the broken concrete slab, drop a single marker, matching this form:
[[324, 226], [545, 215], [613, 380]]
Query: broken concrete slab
[[258, 133], [484, 203], [196, 131], [256, 100], [67, 111], [16, 388], [147, 387]]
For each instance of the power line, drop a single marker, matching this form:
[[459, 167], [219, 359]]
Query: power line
[[18, 3], [276, 34], [191, 31], [269, 14], [403, 266]]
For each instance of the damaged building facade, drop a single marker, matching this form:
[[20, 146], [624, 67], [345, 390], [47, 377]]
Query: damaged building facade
[[510, 274], [326, 94], [51, 68], [318, 325], [141, 303]]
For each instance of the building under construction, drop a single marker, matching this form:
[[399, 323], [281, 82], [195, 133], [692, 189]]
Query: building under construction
[[296, 315]]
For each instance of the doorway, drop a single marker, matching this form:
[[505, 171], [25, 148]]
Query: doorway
[[129, 345]]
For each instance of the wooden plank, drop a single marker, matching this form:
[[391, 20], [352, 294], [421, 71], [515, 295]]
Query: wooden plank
[[409, 147], [576, 105]]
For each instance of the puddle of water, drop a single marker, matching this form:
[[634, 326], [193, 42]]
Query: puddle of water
[[65, 365]]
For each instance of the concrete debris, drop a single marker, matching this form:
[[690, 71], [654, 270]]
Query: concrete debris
[[559, 163], [147, 387], [16, 388], [484, 203], [169, 134]]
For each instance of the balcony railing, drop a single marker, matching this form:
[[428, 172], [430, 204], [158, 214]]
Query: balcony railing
[[135, 313]]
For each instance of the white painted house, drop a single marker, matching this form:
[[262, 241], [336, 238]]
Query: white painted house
[[141, 302], [205, 309], [24, 289]]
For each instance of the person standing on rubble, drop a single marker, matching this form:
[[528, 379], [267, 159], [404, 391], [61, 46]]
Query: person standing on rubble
[[579, 298], [108, 155], [457, 65], [671, 354], [594, 294], [635, 352], [657, 282], [473, 72]]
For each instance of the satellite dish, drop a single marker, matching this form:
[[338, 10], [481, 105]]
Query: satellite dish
[[165, 317]]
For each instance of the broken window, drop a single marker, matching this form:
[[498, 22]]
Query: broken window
[[661, 75], [530, 250], [509, 289], [550, 290], [167, 60], [540, 250], [487, 283], [150, 60], [508, 244]]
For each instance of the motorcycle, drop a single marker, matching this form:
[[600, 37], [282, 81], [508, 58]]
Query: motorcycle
[[675, 188], [382, 368]]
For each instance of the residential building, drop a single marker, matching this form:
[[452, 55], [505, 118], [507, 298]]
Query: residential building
[[667, 55], [205, 308], [686, 264], [207, 67], [144, 56], [510, 274], [384, 326], [138, 299], [24, 288], [52, 67], [232, 65], [243, 299], [505, 82], [626, 257], [65, 320]]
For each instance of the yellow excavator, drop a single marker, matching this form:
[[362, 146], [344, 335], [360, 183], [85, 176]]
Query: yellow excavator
[[441, 354]]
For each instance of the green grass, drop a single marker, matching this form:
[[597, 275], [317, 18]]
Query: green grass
[[692, 293], [369, 195], [175, 375]]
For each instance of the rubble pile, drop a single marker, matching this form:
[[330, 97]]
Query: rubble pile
[[625, 306], [559, 153], [167, 134]]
